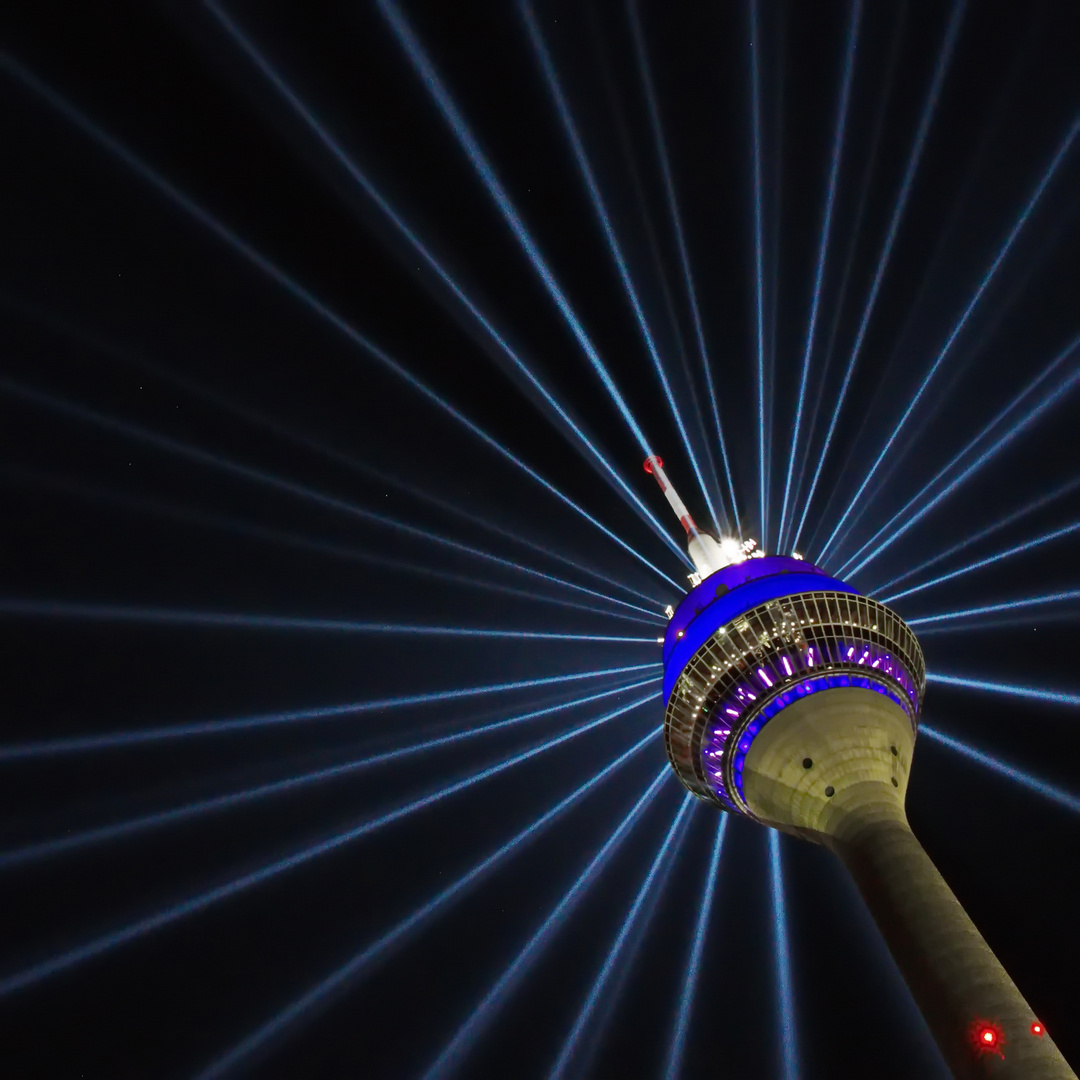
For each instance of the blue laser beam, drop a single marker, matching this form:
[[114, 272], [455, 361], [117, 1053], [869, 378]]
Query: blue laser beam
[[951, 33], [97, 134], [289, 487], [201, 901], [133, 826], [452, 115], [454, 1052], [320, 130], [1014, 232], [990, 560], [686, 999], [236, 527], [59, 609], [23, 306], [855, 232], [1010, 772], [982, 534], [759, 277], [911, 516], [823, 247], [786, 994], [1007, 605], [111, 740], [1057, 697], [641, 56], [338, 980], [596, 198], [667, 848]]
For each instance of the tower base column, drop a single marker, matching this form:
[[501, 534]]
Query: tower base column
[[980, 1020]]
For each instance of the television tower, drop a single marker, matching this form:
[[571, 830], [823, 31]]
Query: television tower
[[792, 699]]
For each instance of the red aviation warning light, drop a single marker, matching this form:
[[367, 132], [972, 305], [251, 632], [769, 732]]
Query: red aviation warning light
[[1038, 1029], [988, 1037]]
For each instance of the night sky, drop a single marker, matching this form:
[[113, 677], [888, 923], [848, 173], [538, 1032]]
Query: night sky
[[322, 440]]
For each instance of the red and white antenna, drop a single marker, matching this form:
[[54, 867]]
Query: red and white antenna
[[707, 555], [654, 465]]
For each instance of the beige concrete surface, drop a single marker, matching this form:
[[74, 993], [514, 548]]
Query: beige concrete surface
[[833, 768]]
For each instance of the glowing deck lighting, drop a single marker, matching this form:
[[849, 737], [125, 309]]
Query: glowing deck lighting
[[686, 999], [454, 1052], [786, 992], [764, 678], [109, 740], [912, 517], [374, 952], [201, 901], [667, 847], [133, 826], [759, 276], [418, 246], [1014, 232], [1065, 530], [1058, 697], [641, 57], [986, 609], [1011, 772], [178, 617], [787, 665], [951, 33], [595, 197], [305, 296], [823, 246]]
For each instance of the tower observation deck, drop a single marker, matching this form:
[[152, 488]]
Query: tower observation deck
[[792, 699]]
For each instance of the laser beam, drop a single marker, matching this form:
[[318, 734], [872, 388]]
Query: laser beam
[[562, 108], [134, 826], [659, 142], [911, 517], [321, 132], [289, 487], [23, 306], [786, 994], [19, 980], [952, 31], [759, 278], [1003, 251], [97, 134], [1065, 530], [359, 964], [896, 37], [1007, 605], [823, 247], [558, 1070], [982, 534], [1010, 772], [59, 609], [114, 739], [1057, 697], [453, 117], [465, 1037], [686, 999]]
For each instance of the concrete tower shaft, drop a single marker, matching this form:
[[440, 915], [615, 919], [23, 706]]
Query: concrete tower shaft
[[834, 770]]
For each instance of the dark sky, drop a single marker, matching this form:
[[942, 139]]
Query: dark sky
[[193, 420]]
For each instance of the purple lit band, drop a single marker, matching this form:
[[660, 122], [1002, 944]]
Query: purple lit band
[[882, 674]]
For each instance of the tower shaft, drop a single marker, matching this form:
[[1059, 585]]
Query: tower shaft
[[850, 798]]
